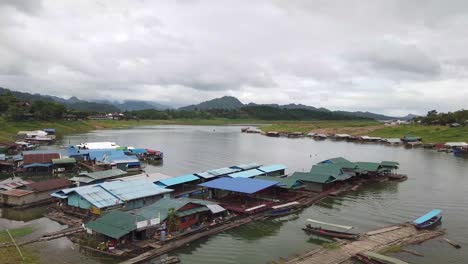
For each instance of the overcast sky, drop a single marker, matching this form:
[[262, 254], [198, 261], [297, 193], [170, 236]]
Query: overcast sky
[[386, 56]]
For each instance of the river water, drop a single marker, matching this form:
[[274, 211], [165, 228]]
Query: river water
[[436, 180]]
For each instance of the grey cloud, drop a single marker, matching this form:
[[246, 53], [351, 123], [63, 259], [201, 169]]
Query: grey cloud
[[334, 54]]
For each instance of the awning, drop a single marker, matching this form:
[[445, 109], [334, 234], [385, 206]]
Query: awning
[[215, 208]]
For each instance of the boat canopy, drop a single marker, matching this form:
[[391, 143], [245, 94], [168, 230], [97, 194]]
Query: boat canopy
[[424, 218], [329, 224]]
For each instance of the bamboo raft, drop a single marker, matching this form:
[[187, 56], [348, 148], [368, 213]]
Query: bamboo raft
[[376, 240]]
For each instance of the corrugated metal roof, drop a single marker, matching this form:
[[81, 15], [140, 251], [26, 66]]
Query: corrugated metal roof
[[115, 224], [178, 180], [248, 166], [242, 185], [215, 208], [272, 168], [99, 175], [49, 185], [367, 167], [312, 177], [97, 196], [342, 162], [35, 165], [16, 192], [152, 177], [130, 190], [246, 174], [43, 156], [205, 175], [121, 159], [223, 171], [64, 161], [393, 164], [287, 182]]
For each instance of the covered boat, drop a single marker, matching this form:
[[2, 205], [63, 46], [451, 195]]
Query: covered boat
[[431, 219], [328, 232]]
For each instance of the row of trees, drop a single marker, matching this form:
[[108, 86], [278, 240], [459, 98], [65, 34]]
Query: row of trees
[[435, 118], [248, 112], [15, 109]]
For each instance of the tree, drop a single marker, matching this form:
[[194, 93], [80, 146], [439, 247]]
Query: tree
[[172, 220]]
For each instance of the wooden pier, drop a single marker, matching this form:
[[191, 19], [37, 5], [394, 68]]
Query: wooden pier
[[163, 249], [398, 235]]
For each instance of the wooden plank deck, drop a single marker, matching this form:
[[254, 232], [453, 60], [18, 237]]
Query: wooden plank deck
[[377, 240]]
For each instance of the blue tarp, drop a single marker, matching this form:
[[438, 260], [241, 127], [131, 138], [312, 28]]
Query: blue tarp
[[427, 216], [272, 168], [241, 185], [177, 180], [246, 174]]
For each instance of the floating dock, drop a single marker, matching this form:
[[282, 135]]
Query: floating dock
[[398, 235]]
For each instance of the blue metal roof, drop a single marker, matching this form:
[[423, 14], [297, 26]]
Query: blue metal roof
[[272, 168], [242, 185], [248, 166], [177, 180], [223, 171], [102, 154], [121, 159], [246, 174], [424, 218], [97, 196], [130, 190], [205, 175]]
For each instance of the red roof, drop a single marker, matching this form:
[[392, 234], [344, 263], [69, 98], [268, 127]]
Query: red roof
[[49, 185], [40, 158], [16, 192]]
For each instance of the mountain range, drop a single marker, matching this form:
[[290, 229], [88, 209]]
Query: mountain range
[[225, 102], [230, 102]]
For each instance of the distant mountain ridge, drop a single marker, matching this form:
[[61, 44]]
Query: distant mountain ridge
[[225, 102], [230, 102], [135, 105]]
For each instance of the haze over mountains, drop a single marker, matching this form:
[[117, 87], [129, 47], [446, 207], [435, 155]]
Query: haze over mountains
[[225, 102]]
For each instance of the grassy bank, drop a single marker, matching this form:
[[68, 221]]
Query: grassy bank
[[430, 134], [308, 126], [8, 130], [11, 254]]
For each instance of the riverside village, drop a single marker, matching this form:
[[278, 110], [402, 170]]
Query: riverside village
[[109, 205]]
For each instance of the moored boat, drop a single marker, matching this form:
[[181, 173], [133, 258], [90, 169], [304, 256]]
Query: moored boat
[[284, 209], [328, 232], [272, 134], [429, 220]]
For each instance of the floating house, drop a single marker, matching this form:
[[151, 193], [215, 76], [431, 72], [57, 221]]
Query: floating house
[[247, 174], [216, 173], [183, 185], [87, 178], [39, 160], [243, 195], [98, 145], [110, 195], [64, 165], [33, 193], [148, 222], [273, 170], [411, 139]]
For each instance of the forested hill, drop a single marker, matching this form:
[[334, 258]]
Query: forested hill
[[73, 103]]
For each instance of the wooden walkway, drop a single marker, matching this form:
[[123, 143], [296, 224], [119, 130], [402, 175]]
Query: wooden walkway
[[372, 241], [183, 241]]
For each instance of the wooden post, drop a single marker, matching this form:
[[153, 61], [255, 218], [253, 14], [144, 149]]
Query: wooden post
[[14, 242]]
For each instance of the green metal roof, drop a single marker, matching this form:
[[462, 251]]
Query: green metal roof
[[364, 167], [312, 177], [288, 182], [342, 162], [392, 164], [115, 224], [327, 169], [64, 161]]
